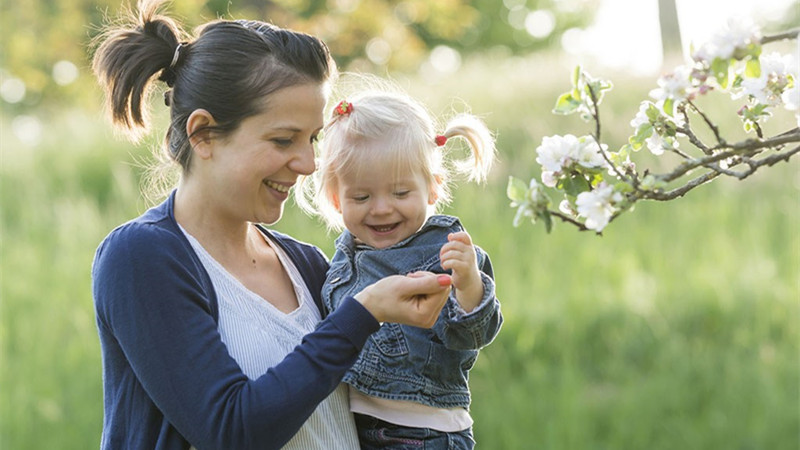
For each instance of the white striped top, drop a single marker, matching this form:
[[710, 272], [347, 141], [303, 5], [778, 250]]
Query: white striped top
[[259, 336]]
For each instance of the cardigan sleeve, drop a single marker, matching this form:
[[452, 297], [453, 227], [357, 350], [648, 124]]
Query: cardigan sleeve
[[151, 299]]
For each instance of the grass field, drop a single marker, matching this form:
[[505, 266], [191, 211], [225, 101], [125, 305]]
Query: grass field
[[677, 329]]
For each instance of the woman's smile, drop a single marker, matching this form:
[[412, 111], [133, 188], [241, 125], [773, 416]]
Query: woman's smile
[[283, 188]]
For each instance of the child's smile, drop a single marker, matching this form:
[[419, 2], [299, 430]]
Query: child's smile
[[381, 207]]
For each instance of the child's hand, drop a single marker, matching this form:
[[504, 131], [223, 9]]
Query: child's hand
[[459, 256]]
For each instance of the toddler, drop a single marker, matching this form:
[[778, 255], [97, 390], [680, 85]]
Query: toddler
[[381, 174]]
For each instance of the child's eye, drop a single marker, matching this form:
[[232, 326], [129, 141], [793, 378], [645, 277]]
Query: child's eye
[[401, 194], [360, 198]]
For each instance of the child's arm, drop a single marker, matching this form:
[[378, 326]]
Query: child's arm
[[459, 256]]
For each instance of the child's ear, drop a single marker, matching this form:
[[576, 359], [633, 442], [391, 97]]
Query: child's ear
[[335, 202], [197, 128], [433, 194]]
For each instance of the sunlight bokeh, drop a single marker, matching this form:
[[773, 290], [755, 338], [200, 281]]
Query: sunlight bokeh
[[625, 34]]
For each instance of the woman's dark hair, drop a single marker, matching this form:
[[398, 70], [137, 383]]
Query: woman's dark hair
[[228, 70]]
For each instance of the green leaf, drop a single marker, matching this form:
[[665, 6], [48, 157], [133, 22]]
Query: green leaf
[[623, 153], [548, 220], [669, 106], [753, 68], [566, 104], [720, 68], [753, 50], [517, 190], [574, 185], [643, 132], [653, 114], [623, 187], [576, 75], [596, 178], [523, 212]]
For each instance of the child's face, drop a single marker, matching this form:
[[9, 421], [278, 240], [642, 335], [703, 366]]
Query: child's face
[[381, 207]]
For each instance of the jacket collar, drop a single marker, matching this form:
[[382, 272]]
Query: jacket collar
[[346, 242]]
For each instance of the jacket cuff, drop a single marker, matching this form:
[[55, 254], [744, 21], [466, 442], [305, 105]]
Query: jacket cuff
[[456, 314], [354, 321]]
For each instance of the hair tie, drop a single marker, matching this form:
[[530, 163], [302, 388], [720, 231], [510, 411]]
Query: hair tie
[[440, 140], [176, 56], [344, 108], [168, 75]]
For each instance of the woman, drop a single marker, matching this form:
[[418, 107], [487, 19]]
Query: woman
[[212, 329]]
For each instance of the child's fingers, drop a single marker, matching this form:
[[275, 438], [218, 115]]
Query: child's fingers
[[457, 265], [457, 249], [453, 254], [460, 236]]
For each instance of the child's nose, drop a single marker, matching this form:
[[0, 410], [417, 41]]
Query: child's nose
[[381, 205]]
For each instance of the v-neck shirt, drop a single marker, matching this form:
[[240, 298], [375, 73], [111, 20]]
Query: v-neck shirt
[[258, 336]]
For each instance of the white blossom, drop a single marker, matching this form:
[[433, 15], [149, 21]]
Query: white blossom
[[566, 207], [549, 179], [791, 97], [657, 144], [536, 195], [597, 206], [676, 86], [738, 33], [589, 154], [769, 87], [641, 116], [556, 152]]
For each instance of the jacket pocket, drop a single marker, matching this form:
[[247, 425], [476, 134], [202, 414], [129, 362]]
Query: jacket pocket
[[449, 367], [390, 340]]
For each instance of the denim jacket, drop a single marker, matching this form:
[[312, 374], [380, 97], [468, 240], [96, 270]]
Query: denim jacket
[[401, 362]]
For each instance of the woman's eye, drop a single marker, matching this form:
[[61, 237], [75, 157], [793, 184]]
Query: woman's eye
[[282, 142]]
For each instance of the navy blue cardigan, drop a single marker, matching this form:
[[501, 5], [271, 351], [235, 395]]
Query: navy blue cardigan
[[168, 380]]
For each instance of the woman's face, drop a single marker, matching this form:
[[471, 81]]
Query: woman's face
[[250, 171]]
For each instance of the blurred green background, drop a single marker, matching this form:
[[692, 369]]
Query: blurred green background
[[677, 329]]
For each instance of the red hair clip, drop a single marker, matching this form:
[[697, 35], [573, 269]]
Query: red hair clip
[[343, 108], [440, 140]]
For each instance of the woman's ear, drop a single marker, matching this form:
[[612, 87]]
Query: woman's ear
[[197, 128]]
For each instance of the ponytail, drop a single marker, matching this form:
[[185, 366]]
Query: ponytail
[[229, 70], [480, 141], [127, 61]]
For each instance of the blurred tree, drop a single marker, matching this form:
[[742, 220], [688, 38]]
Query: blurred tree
[[365, 34], [670, 30]]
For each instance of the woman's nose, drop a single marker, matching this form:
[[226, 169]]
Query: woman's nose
[[304, 163]]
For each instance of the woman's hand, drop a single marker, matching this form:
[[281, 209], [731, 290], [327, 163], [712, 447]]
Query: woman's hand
[[459, 256], [414, 299]]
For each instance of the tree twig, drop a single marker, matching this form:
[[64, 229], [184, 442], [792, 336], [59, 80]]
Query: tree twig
[[568, 219], [681, 191], [687, 131], [596, 116], [714, 128], [791, 34]]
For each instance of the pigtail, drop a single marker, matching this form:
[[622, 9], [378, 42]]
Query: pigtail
[[127, 60], [481, 144]]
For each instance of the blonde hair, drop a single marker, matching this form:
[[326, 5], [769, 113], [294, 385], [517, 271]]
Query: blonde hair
[[390, 127]]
